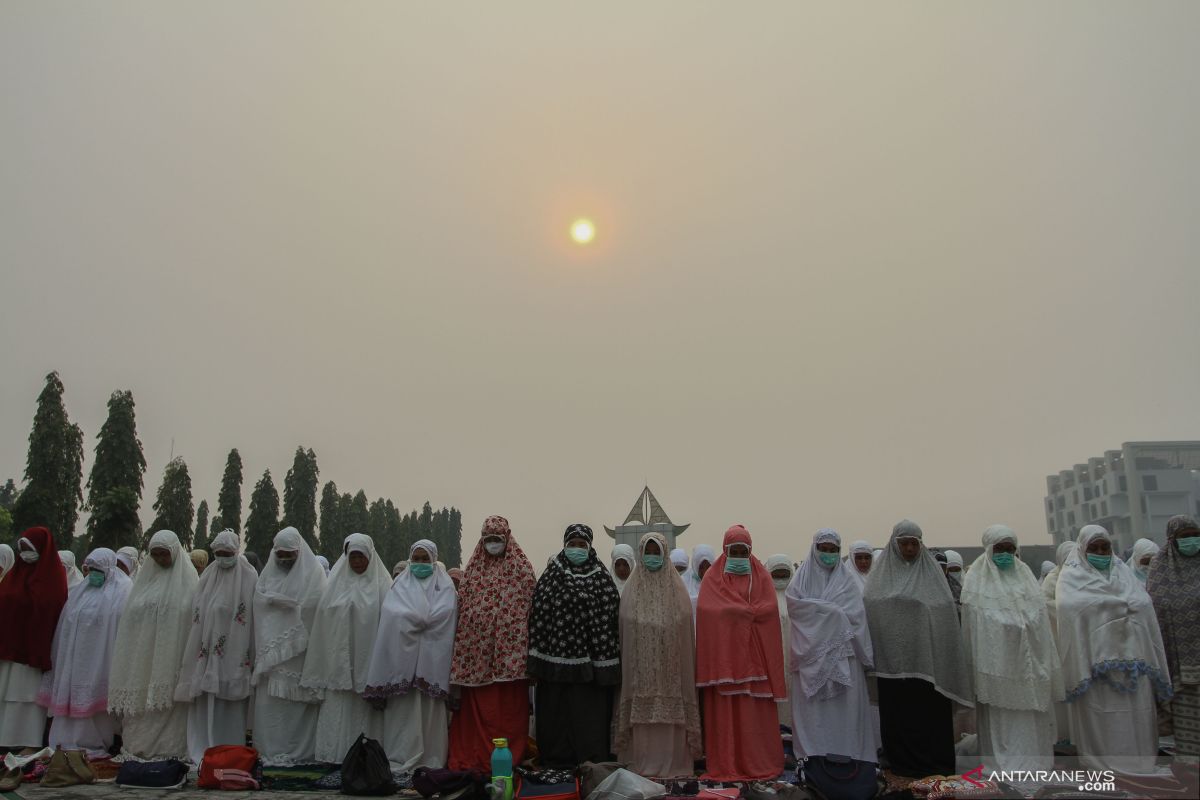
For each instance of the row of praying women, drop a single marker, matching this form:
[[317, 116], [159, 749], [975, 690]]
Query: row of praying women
[[621, 663]]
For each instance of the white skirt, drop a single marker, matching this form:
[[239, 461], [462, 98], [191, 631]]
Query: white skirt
[[212, 721], [1116, 730], [343, 716], [840, 725], [285, 731], [156, 735], [416, 732], [93, 734], [22, 720], [1015, 741]]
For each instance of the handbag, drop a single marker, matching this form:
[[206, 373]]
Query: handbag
[[835, 777], [366, 770], [226, 757], [169, 774], [67, 768], [449, 783]]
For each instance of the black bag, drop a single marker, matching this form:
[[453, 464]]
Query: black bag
[[449, 784], [365, 769], [841, 777], [153, 774]]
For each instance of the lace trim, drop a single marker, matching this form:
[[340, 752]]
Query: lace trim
[[128, 702], [403, 687], [281, 648], [609, 662], [730, 681], [1132, 669]]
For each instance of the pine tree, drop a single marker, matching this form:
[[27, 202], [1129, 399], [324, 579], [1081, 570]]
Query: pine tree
[[300, 495], [359, 518], [6, 528], [454, 548], [119, 466], [263, 522], [174, 503], [8, 494], [331, 528], [229, 500], [200, 538], [53, 469]]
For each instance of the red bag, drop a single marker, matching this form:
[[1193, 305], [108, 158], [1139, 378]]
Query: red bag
[[225, 757]]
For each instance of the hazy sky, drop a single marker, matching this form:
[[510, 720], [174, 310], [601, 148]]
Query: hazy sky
[[853, 263]]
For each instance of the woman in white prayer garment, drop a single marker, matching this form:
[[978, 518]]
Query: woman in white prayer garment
[[782, 570], [285, 604], [218, 658], [1017, 674], [622, 565], [149, 651], [1144, 551], [410, 665], [344, 632], [75, 691], [74, 576]]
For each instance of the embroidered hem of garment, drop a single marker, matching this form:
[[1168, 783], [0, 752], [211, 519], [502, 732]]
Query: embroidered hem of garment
[[729, 681], [401, 688], [1103, 672], [74, 712]]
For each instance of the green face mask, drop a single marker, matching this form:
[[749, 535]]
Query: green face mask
[[96, 578], [421, 571], [576, 555], [827, 559], [737, 566], [1188, 545], [653, 563], [1004, 560], [1101, 563]]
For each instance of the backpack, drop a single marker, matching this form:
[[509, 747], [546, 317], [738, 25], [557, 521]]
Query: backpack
[[366, 770]]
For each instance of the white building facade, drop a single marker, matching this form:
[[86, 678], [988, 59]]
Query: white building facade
[[1132, 492]]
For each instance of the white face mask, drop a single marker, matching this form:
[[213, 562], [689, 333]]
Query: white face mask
[[225, 562], [29, 556], [494, 548], [781, 583]]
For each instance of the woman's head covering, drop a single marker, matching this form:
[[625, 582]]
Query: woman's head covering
[[399, 567], [781, 561], [285, 604], [914, 619], [574, 633], [679, 558], [77, 686], [153, 632], [828, 624], [219, 655], [74, 576], [7, 558], [857, 547], [32, 596], [347, 620], [622, 552], [1107, 630], [1050, 584], [954, 559], [1047, 566], [1174, 587], [491, 643], [1009, 646], [324, 562], [1141, 549], [658, 685], [129, 557], [253, 560], [415, 640], [701, 554], [739, 644], [199, 560]]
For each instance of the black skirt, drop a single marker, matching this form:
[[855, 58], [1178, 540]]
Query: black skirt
[[574, 723], [916, 723]]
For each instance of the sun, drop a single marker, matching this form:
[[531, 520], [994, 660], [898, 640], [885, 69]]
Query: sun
[[583, 231]]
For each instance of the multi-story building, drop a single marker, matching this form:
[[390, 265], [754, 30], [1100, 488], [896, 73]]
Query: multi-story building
[[1132, 492]]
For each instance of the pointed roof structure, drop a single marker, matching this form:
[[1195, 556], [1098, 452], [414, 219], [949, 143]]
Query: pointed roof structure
[[646, 516]]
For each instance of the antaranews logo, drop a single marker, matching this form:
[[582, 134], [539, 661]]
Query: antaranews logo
[[1087, 780]]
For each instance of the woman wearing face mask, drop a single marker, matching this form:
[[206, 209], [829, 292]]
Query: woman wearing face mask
[[1174, 587], [920, 667], [32, 596], [344, 635], [410, 665], [702, 561], [782, 569], [1114, 667], [575, 654], [1144, 551], [739, 665], [1011, 653], [622, 565], [74, 576], [285, 603], [75, 692], [491, 645], [148, 653], [831, 651], [657, 725], [218, 658]]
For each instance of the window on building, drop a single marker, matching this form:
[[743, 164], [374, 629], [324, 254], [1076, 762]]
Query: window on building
[[1150, 483], [1087, 493], [1071, 518], [1122, 484], [1142, 497], [1075, 497], [1060, 502], [1103, 508]]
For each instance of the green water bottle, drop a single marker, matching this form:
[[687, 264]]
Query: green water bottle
[[502, 767]]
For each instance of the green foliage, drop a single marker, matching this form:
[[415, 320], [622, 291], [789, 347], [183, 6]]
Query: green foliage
[[119, 465], [174, 503], [229, 501], [8, 494], [6, 528], [300, 496], [200, 537], [263, 522], [53, 469], [331, 527]]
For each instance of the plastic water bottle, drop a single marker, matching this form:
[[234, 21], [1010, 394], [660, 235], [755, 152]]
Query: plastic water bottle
[[502, 767]]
